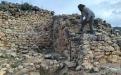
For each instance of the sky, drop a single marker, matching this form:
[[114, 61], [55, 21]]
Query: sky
[[109, 10]]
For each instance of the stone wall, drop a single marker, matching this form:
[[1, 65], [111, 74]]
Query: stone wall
[[29, 31]]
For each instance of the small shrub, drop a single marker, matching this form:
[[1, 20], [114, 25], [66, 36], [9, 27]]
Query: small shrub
[[26, 7]]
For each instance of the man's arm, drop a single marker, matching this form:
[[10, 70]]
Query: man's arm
[[81, 17]]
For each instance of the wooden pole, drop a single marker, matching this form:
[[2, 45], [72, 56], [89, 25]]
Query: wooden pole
[[70, 48]]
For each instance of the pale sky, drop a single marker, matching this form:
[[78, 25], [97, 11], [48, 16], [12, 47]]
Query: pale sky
[[109, 10]]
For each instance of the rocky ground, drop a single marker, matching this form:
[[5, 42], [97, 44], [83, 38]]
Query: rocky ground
[[37, 42]]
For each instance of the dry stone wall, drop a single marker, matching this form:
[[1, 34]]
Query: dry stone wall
[[29, 31]]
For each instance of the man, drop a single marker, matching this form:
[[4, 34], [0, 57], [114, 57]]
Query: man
[[87, 16]]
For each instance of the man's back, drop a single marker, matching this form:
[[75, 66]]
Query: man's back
[[87, 13]]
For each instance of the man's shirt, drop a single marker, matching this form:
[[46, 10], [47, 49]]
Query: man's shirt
[[87, 13]]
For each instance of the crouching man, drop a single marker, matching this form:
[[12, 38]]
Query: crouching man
[[87, 16]]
